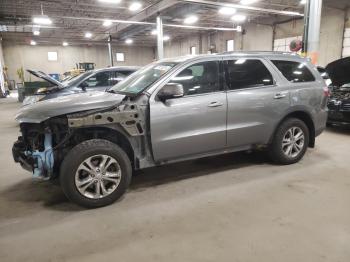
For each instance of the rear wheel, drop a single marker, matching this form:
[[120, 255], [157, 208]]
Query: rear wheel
[[95, 173], [290, 142]]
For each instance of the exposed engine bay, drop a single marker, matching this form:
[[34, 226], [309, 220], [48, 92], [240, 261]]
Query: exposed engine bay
[[42, 146]]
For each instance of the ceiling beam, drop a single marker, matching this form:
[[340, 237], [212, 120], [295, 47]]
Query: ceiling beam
[[244, 7]]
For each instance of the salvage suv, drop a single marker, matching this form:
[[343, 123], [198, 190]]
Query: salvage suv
[[173, 110]]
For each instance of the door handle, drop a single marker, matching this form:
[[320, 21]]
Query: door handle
[[215, 104], [280, 95]]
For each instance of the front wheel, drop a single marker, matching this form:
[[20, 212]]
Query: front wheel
[[95, 173], [290, 142]]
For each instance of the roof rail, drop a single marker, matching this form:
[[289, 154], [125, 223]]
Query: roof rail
[[260, 52]]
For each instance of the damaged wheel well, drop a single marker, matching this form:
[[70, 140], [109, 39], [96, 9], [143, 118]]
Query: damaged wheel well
[[112, 135]]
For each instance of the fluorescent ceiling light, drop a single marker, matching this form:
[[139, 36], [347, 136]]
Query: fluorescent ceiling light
[[303, 2], [154, 32], [248, 2], [227, 11], [166, 38], [88, 35], [129, 41], [107, 23], [32, 42], [239, 18], [191, 19], [110, 1], [36, 32], [135, 6], [42, 20], [65, 44]]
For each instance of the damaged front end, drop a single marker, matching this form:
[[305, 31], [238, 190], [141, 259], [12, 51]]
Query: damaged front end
[[34, 149], [339, 107]]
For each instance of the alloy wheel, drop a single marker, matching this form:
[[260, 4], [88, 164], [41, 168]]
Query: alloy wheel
[[98, 176], [293, 142]]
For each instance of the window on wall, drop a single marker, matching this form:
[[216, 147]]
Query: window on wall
[[243, 73], [230, 45], [282, 44], [120, 57], [295, 72], [193, 50], [346, 43], [52, 56]]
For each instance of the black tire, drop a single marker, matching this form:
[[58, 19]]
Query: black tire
[[78, 155], [275, 151]]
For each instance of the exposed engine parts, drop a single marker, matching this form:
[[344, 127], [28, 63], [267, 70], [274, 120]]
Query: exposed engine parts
[[341, 95]]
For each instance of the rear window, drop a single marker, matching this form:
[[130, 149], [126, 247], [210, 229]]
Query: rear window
[[294, 71]]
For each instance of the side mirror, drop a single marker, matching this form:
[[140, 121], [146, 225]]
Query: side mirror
[[83, 86], [170, 90]]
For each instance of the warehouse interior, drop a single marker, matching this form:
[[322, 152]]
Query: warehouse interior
[[232, 207]]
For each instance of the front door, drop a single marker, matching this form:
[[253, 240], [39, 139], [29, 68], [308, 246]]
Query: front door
[[195, 123]]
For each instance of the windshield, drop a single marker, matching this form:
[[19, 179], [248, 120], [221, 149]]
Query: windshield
[[76, 80], [143, 78]]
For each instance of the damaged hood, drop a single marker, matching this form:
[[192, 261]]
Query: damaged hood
[[44, 110], [339, 71]]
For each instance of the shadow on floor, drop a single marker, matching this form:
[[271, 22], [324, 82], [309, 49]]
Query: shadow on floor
[[28, 195], [344, 130]]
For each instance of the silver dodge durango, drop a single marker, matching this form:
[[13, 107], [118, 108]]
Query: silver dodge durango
[[173, 110]]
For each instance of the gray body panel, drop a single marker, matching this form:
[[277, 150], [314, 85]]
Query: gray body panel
[[195, 127]]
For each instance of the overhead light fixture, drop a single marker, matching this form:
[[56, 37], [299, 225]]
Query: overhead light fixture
[[248, 2], [32, 42], [303, 2], [227, 11], [42, 20], [107, 23], [154, 32], [65, 44], [36, 32], [110, 1], [88, 35], [191, 19], [135, 6], [129, 41], [239, 18], [166, 38]]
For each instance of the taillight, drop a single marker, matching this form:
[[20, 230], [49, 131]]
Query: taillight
[[326, 91]]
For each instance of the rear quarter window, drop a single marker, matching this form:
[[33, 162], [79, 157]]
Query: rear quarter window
[[295, 72]]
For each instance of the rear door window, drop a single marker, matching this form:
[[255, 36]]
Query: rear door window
[[117, 76], [100, 79], [295, 72], [246, 73]]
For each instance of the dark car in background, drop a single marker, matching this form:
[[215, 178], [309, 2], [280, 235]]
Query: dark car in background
[[94, 80], [339, 102]]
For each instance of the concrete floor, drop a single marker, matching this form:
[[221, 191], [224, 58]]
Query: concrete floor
[[236, 207]]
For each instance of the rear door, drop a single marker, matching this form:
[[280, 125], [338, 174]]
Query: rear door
[[192, 124], [256, 100]]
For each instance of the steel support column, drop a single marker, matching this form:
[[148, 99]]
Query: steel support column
[[110, 50], [160, 42], [312, 30]]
